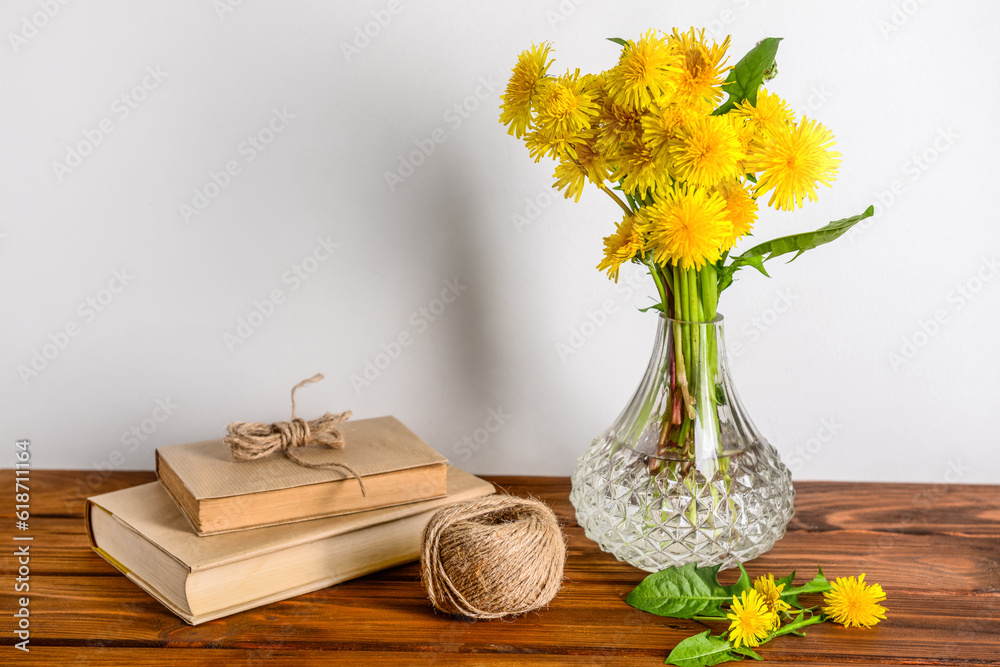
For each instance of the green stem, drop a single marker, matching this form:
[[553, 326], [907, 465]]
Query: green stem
[[611, 194], [666, 280], [694, 291], [694, 315], [662, 287], [680, 344], [685, 427], [709, 291], [658, 279], [631, 202], [795, 626]]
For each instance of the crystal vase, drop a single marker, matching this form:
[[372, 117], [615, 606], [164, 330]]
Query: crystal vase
[[682, 475]]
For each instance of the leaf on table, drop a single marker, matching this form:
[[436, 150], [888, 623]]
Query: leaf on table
[[791, 594], [685, 592], [795, 626], [702, 650], [742, 584], [748, 652]]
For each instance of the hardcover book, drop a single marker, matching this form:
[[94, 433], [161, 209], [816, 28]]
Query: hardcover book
[[142, 533], [219, 494]]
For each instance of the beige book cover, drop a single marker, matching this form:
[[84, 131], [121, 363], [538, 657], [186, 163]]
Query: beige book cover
[[141, 532], [219, 494]]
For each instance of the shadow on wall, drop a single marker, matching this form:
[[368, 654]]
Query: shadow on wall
[[467, 353], [472, 338], [476, 352]]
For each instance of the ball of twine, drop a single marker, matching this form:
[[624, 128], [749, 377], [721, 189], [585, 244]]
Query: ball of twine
[[492, 557]]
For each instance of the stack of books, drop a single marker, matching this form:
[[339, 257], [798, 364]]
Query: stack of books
[[215, 536]]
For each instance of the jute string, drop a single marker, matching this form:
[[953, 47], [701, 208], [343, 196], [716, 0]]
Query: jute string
[[250, 440], [492, 557]]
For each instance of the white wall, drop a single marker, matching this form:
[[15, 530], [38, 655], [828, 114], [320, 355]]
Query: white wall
[[895, 80]]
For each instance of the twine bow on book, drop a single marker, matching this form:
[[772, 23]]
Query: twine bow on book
[[249, 440]]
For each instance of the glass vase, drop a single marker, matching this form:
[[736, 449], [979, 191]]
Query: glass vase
[[682, 475]]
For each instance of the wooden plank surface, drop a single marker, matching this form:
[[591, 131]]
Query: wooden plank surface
[[934, 548]]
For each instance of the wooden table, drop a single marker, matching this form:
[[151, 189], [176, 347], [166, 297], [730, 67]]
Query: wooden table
[[934, 548]]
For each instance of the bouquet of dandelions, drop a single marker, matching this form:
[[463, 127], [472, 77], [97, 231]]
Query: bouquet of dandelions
[[687, 170]]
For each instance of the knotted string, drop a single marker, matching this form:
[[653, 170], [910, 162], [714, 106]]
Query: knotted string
[[250, 440]]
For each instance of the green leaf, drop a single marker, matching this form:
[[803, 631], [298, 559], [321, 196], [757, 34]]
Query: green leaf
[[685, 592], [727, 273], [742, 584], [791, 594], [799, 243], [748, 652], [756, 261], [744, 79], [794, 628], [701, 650], [618, 40], [787, 581]]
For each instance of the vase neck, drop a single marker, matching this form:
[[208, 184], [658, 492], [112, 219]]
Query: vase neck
[[686, 407]]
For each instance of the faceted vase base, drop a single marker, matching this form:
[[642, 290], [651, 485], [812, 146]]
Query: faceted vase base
[[677, 516]]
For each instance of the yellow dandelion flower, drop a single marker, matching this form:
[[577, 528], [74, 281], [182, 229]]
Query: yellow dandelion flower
[[619, 126], [570, 178], [792, 161], [594, 164], [685, 226], [621, 247], [771, 113], [751, 620], [515, 112], [641, 168], [644, 72], [771, 594], [706, 151], [741, 212], [746, 133], [660, 125], [563, 111], [596, 86], [851, 602], [571, 175], [703, 68]]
